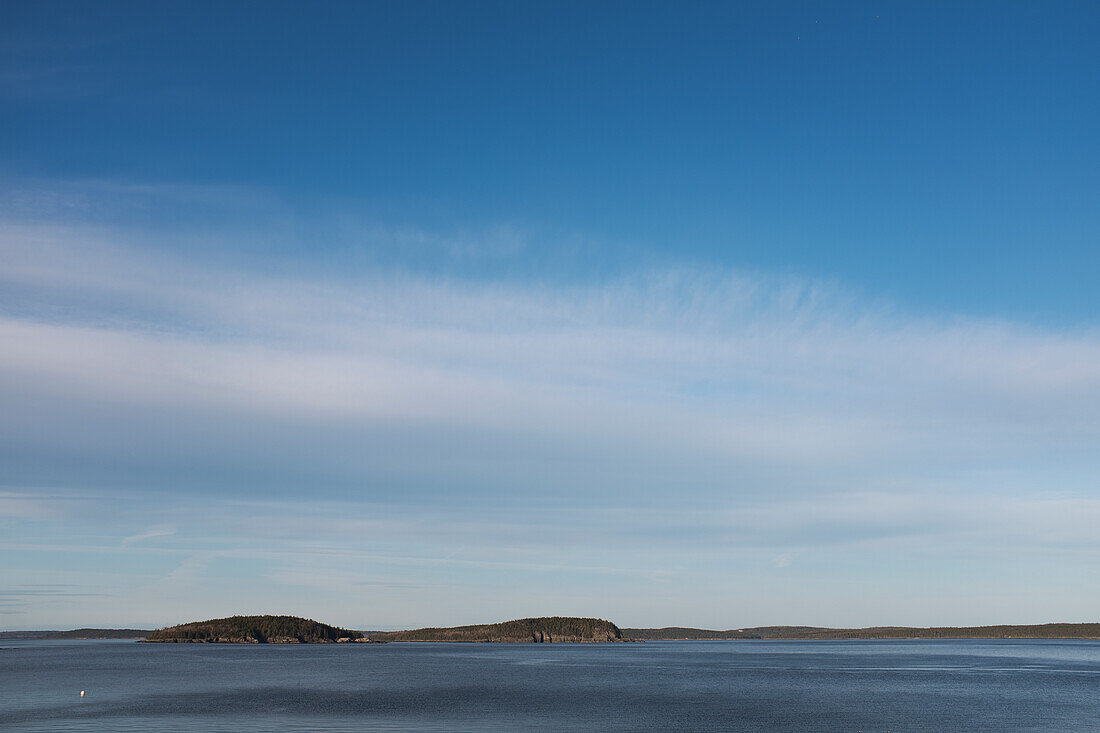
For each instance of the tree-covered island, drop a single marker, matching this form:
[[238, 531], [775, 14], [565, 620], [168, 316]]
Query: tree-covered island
[[543, 630], [255, 630]]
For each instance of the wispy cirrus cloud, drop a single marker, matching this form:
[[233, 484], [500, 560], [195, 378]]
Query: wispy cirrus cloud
[[729, 366], [150, 534]]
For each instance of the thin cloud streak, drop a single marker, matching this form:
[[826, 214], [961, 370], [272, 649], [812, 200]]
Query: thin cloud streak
[[148, 535]]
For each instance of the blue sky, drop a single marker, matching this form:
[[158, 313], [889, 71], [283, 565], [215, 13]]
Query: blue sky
[[404, 313]]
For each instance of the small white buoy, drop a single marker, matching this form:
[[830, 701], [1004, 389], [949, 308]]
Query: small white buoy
[[82, 693]]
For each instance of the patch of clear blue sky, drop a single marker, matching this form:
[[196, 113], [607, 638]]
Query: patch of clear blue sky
[[940, 155]]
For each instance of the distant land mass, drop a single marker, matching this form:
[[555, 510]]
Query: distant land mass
[[78, 634], [547, 630], [1004, 631], [544, 630], [255, 630]]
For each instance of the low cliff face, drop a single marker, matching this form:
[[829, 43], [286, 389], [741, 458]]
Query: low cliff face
[[544, 630], [253, 630]]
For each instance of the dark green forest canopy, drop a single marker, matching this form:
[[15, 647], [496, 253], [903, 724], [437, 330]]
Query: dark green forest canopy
[[549, 629], [254, 630]]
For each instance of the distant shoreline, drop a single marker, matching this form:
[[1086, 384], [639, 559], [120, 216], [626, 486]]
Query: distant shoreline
[[814, 633], [76, 634], [587, 631]]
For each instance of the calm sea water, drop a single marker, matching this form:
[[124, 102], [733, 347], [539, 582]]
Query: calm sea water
[[869, 686]]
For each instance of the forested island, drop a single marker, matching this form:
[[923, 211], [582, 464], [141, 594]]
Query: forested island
[[544, 630], [255, 630], [1003, 631]]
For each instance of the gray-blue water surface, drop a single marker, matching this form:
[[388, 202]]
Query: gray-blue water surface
[[896, 686]]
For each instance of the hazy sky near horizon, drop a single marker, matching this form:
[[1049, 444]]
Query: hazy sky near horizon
[[398, 314]]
